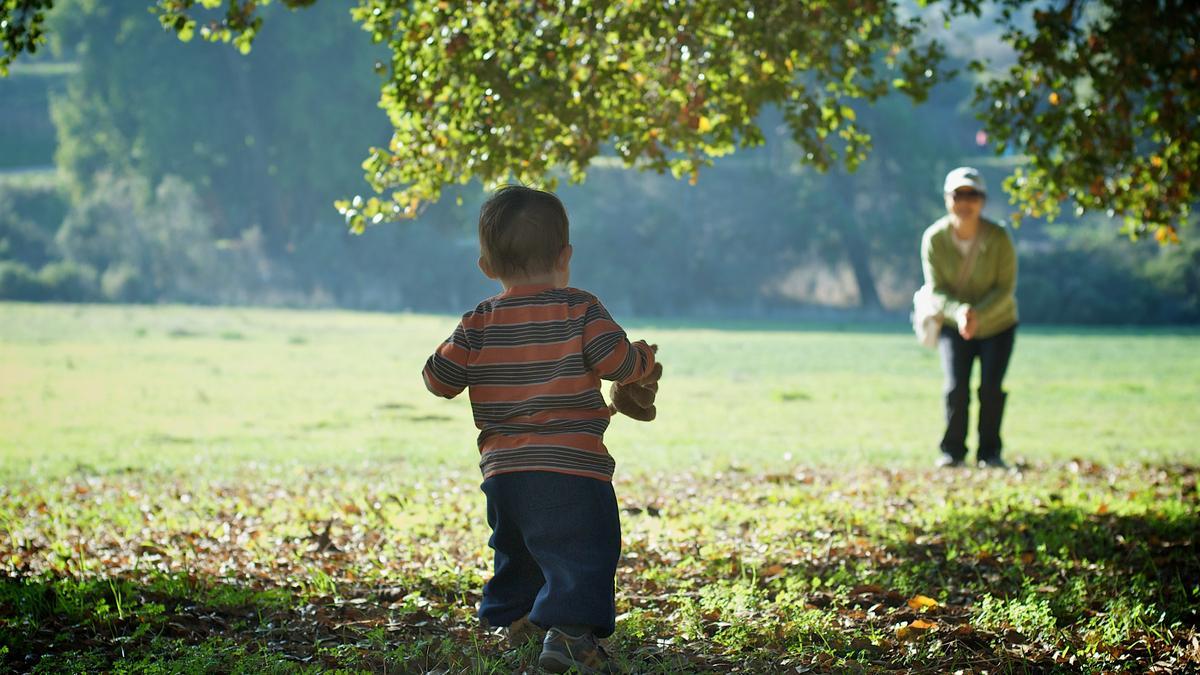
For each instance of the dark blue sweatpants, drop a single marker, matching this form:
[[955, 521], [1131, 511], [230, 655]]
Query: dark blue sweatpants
[[557, 539], [958, 358]]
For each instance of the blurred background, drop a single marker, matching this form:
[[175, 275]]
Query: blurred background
[[136, 169]]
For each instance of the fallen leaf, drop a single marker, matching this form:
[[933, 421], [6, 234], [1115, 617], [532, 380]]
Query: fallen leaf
[[922, 602], [914, 630], [773, 571]]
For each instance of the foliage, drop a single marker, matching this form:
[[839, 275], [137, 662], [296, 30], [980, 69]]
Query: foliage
[[513, 91], [669, 263], [261, 151], [1100, 98], [763, 221], [21, 28], [147, 245], [238, 25], [29, 217], [18, 282], [58, 281], [1102, 282], [68, 282]]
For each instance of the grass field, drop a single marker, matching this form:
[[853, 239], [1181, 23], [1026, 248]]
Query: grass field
[[237, 489]]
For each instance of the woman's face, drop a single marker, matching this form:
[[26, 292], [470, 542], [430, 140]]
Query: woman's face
[[965, 203]]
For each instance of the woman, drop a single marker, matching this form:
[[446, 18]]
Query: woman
[[971, 266]]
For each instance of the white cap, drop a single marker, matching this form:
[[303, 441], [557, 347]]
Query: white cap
[[964, 176]]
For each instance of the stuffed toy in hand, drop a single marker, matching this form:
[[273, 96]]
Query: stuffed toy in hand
[[636, 399]]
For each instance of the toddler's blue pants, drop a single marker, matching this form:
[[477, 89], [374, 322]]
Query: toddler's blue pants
[[557, 539]]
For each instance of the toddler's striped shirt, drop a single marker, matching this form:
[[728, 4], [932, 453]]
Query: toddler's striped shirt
[[533, 358]]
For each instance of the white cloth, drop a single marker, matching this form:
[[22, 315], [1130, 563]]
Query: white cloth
[[926, 321]]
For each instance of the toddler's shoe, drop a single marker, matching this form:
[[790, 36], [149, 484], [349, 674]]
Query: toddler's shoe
[[561, 652], [522, 631], [519, 632]]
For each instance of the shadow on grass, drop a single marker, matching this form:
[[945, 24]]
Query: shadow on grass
[[1081, 564], [1023, 581], [193, 624]]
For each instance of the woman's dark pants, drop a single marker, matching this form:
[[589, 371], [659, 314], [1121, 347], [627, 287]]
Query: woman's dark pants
[[557, 539], [958, 357]]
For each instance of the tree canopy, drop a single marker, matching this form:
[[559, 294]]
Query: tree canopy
[[1100, 100]]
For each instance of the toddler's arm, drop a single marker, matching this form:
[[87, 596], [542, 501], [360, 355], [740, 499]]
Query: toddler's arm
[[608, 351], [445, 372]]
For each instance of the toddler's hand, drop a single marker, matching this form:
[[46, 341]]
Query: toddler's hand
[[636, 399]]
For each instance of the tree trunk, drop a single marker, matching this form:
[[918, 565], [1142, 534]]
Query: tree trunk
[[860, 262], [854, 245]]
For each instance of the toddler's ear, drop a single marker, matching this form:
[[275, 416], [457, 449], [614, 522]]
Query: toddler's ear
[[564, 257], [486, 268]]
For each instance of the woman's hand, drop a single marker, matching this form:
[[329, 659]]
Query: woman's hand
[[968, 322]]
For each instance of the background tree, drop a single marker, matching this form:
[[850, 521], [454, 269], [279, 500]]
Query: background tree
[[1100, 98], [260, 153], [233, 130]]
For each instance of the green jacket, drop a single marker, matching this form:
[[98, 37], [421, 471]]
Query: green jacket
[[991, 288]]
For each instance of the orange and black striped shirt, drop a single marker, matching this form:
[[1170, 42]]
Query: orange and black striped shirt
[[533, 358]]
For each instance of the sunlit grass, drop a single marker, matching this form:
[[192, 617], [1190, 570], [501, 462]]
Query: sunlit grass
[[192, 489], [104, 388]]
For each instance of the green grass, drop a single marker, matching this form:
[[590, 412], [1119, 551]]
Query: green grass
[[106, 388], [192, 489]]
